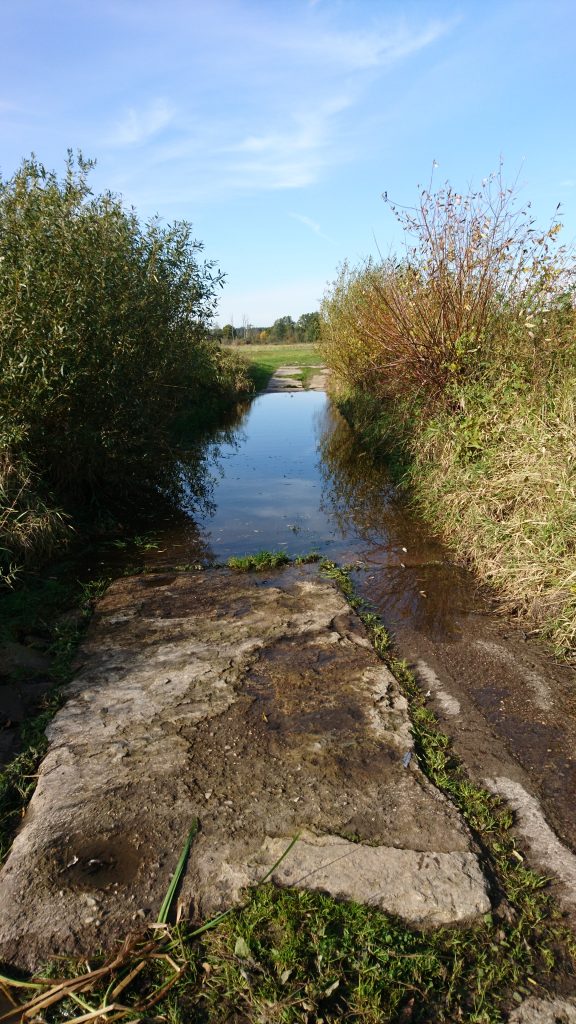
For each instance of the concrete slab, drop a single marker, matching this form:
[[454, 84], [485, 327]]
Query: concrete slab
[[257, 705]]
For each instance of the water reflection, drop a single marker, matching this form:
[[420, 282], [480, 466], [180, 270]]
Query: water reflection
[[408, 577], [268, 486], [357, 495], [199, 465], [289, 474]]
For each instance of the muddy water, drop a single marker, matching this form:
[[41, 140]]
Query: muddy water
[[294, 478]]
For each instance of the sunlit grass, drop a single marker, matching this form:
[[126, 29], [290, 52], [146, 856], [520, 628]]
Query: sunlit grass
[[264, 360], [458, 362]]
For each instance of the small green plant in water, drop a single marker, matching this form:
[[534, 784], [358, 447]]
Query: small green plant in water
[[263, 560], [258, 562]]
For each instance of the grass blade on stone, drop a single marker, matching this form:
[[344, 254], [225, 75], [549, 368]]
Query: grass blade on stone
[[271, 871], [167, 901]]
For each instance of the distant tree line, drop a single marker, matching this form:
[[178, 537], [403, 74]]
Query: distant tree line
[[285, 330]]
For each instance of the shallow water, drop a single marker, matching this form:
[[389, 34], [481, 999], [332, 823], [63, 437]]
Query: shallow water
[[294, 478]]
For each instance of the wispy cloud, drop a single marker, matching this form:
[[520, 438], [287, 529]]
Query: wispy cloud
[[281, 126], [138, 126], [295, 157], [377, 48], [309, 223], [568, 183]]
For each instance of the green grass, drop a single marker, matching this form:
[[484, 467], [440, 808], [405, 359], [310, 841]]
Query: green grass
[[498, 483], [263, 360], [263, 560], [258, 562]]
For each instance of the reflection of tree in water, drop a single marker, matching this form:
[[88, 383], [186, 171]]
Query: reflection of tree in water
[[198, 464], [187, 486], [417, 588], [357, 493]]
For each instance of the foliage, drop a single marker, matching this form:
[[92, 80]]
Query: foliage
[[282, 330], [308, 328], [102, 342], [29, 522], [459, 360], [479, 288]]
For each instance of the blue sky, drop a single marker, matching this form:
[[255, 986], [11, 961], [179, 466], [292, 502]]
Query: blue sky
[[274, 127]]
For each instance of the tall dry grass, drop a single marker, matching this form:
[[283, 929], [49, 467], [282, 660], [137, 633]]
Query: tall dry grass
[[501, 482], [461, 355], [30, 526], [478, 288]]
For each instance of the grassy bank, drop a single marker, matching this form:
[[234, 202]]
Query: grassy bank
[[458, 364], [263, 360]]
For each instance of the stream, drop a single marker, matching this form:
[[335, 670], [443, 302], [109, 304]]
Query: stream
[[291, 476]]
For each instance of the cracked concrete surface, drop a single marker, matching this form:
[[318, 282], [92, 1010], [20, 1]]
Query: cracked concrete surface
[[257, 705]]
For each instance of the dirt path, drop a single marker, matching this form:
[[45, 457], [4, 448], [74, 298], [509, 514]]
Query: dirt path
[[286, 378], [256, 705]]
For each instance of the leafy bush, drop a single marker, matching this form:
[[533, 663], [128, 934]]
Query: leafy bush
[[103, 328], [28, 522]]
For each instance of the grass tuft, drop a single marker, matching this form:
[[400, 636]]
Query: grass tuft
[[259, 562], [263, 560]]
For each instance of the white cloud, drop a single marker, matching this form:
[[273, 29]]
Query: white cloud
[[362, 51], [568, 183], [309, 223], [137, 126], [295, 157], [279, 128]]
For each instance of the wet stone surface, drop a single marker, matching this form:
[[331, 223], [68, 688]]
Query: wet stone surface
[[256, 705]]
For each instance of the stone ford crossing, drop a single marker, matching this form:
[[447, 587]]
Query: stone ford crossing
[[256, 705]]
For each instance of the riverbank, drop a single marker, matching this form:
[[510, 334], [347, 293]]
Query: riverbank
[[457, 362], [497, 482]]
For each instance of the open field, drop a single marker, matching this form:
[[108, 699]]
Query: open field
[[263, 360]]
